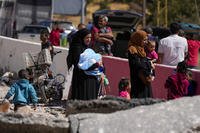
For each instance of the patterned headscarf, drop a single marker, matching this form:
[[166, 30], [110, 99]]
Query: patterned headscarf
[[135, 45]]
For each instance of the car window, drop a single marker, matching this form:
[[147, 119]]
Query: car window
[[67, 26], [34, 30], [39, 29], [28, 30]]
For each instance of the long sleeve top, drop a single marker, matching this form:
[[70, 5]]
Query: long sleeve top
[[24, 93]]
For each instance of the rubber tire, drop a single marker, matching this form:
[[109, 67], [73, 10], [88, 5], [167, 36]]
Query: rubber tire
[[43, 94], [59, 94]]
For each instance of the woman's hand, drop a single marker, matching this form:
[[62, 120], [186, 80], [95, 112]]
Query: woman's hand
[[152, 64], [102, 78], [150, 78], [146, 80]]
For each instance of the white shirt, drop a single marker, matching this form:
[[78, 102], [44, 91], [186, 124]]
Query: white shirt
[[173, 49]]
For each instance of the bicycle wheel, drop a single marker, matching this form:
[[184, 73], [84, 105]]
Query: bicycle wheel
[[43, 93], [59, 79], [58, 94]]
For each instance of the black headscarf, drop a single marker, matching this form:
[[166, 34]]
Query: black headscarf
[[79, 36], [77, 47]]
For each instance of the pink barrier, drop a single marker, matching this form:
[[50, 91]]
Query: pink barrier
[[118, 67]]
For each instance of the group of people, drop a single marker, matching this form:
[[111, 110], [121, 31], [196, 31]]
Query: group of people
[[141, 57], [23, 90], [173, 50], [89, 75], [87, 47]]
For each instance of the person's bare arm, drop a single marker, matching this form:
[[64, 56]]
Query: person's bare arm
[[50, 48], [105, 40], [160, 58], [107, 35], [102, 39], [186, 56]]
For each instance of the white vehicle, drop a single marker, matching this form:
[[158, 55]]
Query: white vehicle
[[65, 25], [32, 33]]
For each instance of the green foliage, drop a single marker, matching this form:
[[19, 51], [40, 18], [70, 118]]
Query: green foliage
[[178, 10], [104, 5]]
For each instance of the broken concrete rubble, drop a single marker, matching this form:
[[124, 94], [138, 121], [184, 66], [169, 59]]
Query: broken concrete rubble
[[107, 104], [111, 114], [32, 123], [175, 116]]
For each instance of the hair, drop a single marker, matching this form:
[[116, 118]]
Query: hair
[[23, 74], [105, 18], [189, 35], [182, 67], [45, 33], [174, 28], [151, 43], [81, 26], [124, 82], [148, 30], [181, 33], [79, 35], [189, 73], [55, 23]]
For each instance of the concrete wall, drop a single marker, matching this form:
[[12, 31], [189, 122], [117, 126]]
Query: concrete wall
[[11, 59], [11, 55]]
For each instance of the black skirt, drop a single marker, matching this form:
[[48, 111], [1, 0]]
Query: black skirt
[[84, 87]]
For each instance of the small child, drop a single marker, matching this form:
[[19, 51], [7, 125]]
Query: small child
[[150, 50], [192, 84], [124, 88], [45, 43], [151, 53], [91, 63], [24, 93]]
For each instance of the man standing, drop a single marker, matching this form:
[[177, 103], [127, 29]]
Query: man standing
[[102, 36], [55, 34], [193, 51], [172, 49]]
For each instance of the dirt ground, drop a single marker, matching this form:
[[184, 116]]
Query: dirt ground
[[55, 108]]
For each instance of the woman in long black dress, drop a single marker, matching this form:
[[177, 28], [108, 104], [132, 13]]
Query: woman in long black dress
[[140, 66], [84, 87]]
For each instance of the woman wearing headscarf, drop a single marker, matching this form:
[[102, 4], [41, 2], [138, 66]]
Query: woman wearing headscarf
[[83, 87], [140, 66]]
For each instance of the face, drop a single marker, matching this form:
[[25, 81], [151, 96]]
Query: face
[[102, 22], [151, 46], [145, 41], [43, 38], [189, 77], [55, 26], [87, 39]]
